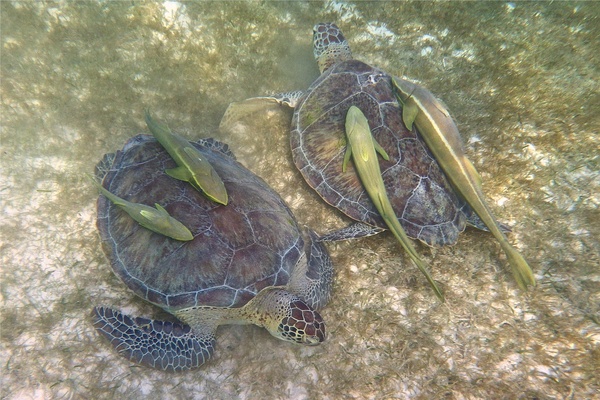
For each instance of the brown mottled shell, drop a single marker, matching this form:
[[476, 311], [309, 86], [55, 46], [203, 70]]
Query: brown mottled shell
[[421, 196], [237, 250]]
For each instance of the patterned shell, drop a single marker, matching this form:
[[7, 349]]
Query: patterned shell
[[237, 250], [422, 198]]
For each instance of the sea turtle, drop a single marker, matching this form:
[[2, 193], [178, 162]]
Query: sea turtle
[[247, 263], [422, 198], [427, 206]]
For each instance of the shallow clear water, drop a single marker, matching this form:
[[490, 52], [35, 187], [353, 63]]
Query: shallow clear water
[[521, 79]]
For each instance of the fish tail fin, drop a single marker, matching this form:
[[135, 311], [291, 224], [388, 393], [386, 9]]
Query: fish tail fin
[[520, 269], [434, 286], [112, 197], [401, 236]]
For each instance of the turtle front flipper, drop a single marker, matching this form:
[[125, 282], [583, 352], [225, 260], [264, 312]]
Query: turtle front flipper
[[241, 109], [157, 344], [313, 274]]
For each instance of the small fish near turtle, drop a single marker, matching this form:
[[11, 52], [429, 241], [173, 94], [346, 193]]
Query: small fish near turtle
[[363, 149], [191, 166], [430, 116], [156, 219], [248, 262], [422, 196]]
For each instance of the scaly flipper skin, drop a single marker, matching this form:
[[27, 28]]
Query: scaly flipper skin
[[192, 167], [362, 147], [330, 47], [313, 275], [156, 219], [443, 139], [162, 345], [353, 231]]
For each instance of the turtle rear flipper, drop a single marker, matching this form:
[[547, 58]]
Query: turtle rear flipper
[[355, 230], [162, 345], [474, 221]]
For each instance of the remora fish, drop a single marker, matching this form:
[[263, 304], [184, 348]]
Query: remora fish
[[156, 219], [192, 167], [363, 147], [439, 131]]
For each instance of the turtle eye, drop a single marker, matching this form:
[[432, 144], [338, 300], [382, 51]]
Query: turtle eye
[[304, 325]]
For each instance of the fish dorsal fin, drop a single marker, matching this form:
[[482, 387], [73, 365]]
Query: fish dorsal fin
[[161, 209], [149, 215], [179, 173], [192, 152]]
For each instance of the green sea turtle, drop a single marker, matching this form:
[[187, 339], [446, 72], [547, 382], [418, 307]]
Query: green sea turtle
[[427, 206], [247, 263]]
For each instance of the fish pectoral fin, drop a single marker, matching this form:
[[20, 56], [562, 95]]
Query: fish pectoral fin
[[347, 156], [180, 173], [410, 110], [380, 150]]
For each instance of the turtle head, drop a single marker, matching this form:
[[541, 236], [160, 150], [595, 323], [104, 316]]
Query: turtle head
[[330, 46], [287, 317], [302, 325]]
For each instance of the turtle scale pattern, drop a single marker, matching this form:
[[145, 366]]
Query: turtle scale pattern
[[422, 198], [236, 252]]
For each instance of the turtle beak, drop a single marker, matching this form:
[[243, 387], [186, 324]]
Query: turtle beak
[[315, 340]]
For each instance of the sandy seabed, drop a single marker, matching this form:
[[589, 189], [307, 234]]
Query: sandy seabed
[[521, 79]]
